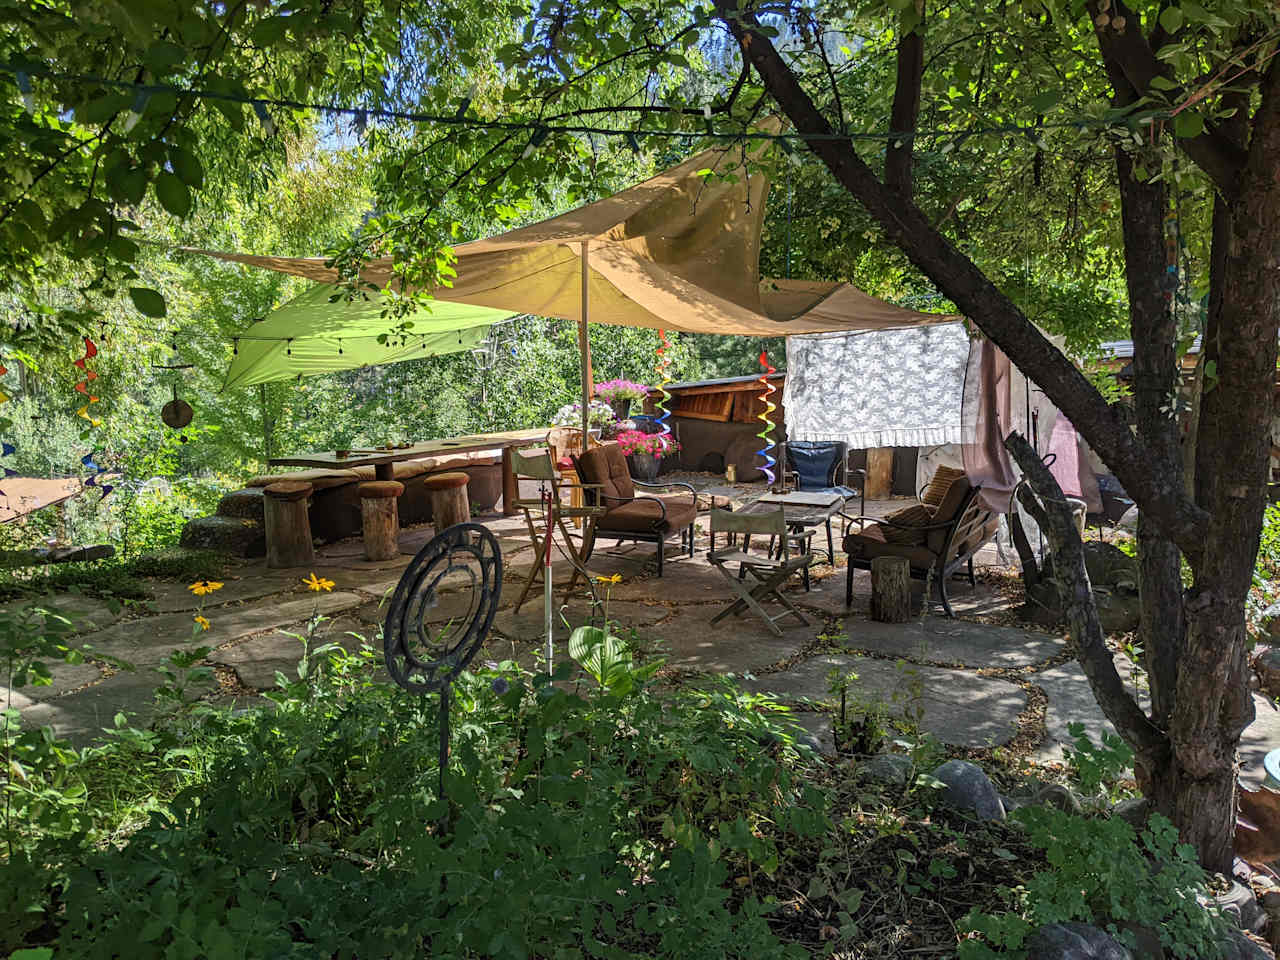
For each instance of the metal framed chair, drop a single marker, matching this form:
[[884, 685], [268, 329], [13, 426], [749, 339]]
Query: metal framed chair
[[542, 468], [628, 515], [759, 578], [822, 466]]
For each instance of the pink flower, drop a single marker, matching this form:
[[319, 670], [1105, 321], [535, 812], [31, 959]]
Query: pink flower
[[657, 444]]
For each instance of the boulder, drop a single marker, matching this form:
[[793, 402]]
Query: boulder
[[1059, 797], [237, 537], [1269, 619], [1133, 811], [892, 770], [1239, 947], [243, 504], [968, 788], [1241, 906], [1074, 941]]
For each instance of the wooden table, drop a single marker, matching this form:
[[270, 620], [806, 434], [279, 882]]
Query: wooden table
[[383, 461], [802, 509]]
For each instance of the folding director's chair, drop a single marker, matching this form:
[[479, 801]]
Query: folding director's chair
[[760, 577]]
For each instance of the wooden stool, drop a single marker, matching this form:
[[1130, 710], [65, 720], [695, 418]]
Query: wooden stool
[[449, 503], [891, 589], [381, 518], [288, 527]]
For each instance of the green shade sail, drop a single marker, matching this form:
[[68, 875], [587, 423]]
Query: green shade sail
[[311, 335]]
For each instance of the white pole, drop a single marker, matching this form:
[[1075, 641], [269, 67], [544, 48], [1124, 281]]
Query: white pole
[[584, 347], [547, 592]]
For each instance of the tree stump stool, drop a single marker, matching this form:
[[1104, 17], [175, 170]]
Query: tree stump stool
[[890, 589], [449, 503], [287, 524], [381, 518]]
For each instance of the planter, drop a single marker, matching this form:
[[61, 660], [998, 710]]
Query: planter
[[644, 466], [621, 408]]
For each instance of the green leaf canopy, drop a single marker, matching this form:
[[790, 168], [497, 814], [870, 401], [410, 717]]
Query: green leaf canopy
[[316, 333]]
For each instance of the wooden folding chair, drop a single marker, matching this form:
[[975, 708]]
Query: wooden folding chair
[[759, 578], [542, 468]]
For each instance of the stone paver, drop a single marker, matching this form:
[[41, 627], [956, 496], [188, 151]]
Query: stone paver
[[84, 613], [81, 717], [149, 641], [954, 641], [529, 623], [66, 677], [689, 640], [959, 707], [178, 598], [256, 660]]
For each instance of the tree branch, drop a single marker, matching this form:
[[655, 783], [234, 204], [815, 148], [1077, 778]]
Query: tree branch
[[898, 154], [1129, 52], [1046, 502], [957, 277]]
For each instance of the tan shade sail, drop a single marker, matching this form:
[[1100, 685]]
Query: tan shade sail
[[680, 251]]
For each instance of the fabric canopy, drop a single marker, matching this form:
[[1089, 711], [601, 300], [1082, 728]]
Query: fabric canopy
[[322, 331], [680, 251]]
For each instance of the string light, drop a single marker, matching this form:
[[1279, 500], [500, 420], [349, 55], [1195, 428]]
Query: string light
[[541, 130]]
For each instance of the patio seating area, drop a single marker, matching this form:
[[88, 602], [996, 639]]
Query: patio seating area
[[981, 680]]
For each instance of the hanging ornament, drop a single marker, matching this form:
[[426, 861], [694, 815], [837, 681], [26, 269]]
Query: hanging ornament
[[766, 433], [90, 351], [663, 369]]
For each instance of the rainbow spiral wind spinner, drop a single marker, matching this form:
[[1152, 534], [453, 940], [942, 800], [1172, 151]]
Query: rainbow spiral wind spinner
[[90, 351], [769, 406], [663, 369]]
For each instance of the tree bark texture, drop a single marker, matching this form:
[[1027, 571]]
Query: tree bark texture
[[1144, 204], [381, 527], [977, 297], [891, 590], [898, 154]]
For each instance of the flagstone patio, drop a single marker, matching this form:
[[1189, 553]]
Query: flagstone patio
[[979, 681]]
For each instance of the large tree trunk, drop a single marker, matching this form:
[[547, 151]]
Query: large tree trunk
[[1219, 533], [1154, 328]]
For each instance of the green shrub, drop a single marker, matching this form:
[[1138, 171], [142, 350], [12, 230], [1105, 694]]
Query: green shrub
[[589, 822], [1101, 873]]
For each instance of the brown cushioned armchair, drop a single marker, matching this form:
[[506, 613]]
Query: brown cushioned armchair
[[607, 483], [941, 534]]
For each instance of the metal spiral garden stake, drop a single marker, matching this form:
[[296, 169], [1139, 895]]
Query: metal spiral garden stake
[[663, 369], [425, 654], [766, 433]]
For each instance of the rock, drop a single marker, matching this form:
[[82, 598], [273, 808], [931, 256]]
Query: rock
[[238, 537], [1241, 906], [1239, 947], [1059, 797], [1133, 811], [892, 770], [242, 504], [100, 551], [1074, 941], [968, 788], [1267, 670]]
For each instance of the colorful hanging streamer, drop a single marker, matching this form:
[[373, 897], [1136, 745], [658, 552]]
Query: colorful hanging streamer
[[663, 369], [766, 433], [90, 351]]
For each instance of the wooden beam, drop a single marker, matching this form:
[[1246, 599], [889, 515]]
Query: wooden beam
[[879, 473]]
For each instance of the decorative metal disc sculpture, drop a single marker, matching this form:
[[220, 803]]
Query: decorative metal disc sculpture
[[426, 650]]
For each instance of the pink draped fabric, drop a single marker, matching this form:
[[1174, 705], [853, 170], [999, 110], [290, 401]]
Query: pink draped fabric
[[987, 415], [1070, 467]]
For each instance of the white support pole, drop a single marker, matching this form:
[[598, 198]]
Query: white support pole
[[584, 348]]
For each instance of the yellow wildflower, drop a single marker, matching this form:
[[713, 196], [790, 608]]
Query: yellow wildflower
[[202, 621], [616, 578], [201, 587], [317, 584]]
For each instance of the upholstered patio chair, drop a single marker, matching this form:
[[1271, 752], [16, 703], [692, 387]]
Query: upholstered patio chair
[[937, 536], [629, 515], [822, 466]]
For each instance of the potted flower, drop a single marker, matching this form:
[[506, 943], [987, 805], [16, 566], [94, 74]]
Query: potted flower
[[619, 394], [344, 442], [570, 415], [645, 451]]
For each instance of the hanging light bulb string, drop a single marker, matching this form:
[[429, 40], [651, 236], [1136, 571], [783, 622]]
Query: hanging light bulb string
[[766, 433], [663, 369]]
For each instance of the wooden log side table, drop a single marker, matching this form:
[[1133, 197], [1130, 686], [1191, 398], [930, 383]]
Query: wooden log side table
[[287, 524], [380, 516], [449, 502]]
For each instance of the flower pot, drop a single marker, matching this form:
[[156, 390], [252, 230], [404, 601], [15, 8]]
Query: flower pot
[[342, 454], [644, 466], [621, 407]]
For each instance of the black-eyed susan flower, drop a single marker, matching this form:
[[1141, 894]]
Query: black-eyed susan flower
[[316, 584], [202, 587]]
